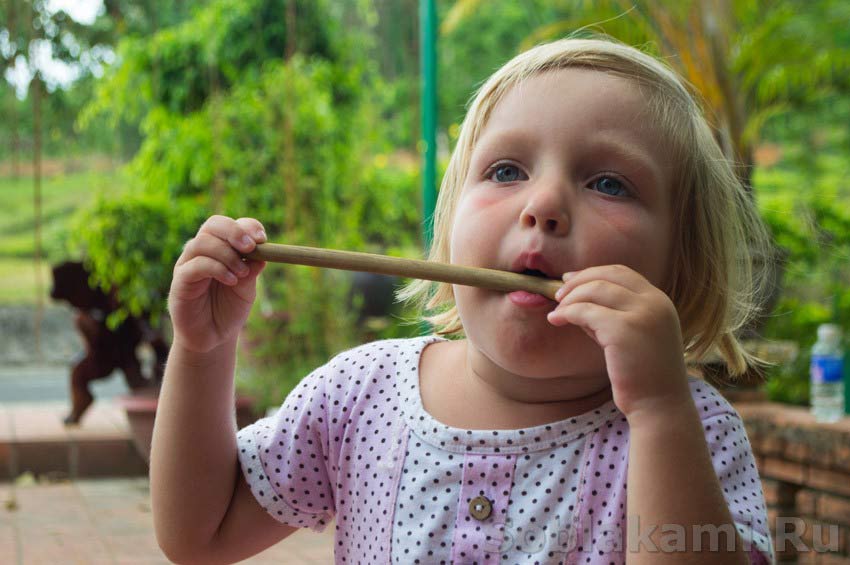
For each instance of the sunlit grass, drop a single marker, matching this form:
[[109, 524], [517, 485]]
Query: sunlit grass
[[65, 189], [18, 281]]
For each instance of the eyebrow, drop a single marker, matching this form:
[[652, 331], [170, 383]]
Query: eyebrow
[[632, 154], [510, 137], [515, 138]]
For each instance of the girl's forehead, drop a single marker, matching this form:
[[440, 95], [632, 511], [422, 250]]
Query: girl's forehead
[[566, 86], [582, 99], [589, 111]]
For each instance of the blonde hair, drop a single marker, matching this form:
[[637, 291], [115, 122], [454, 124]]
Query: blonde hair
[[716, 229]]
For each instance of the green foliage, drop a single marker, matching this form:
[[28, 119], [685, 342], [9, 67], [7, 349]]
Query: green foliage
[[231, 126], [477, 42], [302, 319], [60, 136], [398, 103], [131, 244], [803, 198], [179, 68], [390, 188], [777, 58]]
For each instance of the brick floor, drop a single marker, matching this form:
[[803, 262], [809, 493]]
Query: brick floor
[[94, 521], [79, 495]]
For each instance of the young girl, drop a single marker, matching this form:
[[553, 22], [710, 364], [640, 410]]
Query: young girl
[[581, 160]]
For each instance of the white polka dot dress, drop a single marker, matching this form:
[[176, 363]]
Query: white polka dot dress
[[353, 441]]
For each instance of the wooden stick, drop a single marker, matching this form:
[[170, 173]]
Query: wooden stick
[[353, 261]]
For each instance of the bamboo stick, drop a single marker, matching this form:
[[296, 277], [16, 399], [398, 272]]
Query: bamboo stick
[[412, 268]]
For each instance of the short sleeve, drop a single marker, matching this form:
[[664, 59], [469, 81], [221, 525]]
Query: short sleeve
[[284, 457], [736, 469]]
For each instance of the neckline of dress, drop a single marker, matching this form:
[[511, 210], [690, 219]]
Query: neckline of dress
[[507, 441]]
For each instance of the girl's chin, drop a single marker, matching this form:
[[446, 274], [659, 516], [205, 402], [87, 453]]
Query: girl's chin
[[529, 339], [542, 344]]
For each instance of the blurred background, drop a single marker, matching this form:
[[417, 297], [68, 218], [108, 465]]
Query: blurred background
[[125, 123]]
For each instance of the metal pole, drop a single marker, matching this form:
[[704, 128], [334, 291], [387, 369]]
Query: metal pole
[[428, 105]]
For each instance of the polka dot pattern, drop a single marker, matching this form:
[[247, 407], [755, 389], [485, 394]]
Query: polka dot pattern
[[353, 441], [602, 534]]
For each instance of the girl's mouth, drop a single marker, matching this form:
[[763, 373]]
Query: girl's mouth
[[535, 273], [525, 299]]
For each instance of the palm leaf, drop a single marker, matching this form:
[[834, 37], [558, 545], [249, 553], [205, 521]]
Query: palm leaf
[[611, 22], [461, 10]]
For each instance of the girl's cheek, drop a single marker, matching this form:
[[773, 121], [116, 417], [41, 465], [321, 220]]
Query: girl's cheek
[[475, 199], [625, 223]]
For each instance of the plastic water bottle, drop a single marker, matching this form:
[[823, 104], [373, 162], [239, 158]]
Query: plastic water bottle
[[826, 373]]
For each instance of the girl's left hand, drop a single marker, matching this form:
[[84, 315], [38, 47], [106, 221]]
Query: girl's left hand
[[637, 326]]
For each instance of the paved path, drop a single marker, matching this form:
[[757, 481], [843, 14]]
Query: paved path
[[108, 521], [26, 383], [91, 521]]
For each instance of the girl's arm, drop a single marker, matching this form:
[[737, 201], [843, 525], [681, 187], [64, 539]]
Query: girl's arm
[[200, 510], [193, 451], [203, 512], [672, 486]]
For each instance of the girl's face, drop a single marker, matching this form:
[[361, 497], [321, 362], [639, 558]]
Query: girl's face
[[568, 173]]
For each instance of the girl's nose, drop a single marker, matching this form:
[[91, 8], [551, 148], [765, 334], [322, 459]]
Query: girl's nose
[[546, 210]]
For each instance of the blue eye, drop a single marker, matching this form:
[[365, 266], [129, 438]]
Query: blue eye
[[506, 173], [610, 186]]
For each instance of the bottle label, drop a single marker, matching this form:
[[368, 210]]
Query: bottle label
[[826, 369]]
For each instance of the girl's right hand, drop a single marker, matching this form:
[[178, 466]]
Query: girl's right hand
[[213, 289]]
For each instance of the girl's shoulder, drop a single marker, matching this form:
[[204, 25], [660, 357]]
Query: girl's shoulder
[[709, 401], [371, 362], [710, 404], [383, 351]]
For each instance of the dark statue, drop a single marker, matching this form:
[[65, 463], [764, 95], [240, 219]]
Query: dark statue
[[105, 349]]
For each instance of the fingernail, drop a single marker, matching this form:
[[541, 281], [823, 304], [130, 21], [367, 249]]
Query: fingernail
[[261, 234], [247, 241], [560, 293], [566, 276]]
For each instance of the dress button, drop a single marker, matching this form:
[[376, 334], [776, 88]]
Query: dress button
[[480, 507]]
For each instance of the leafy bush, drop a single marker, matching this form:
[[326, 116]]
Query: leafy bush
[[803, 198], [131, 244], [287, 141]]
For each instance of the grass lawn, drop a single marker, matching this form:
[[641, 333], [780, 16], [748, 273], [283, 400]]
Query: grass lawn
[[17, 281], [65, 189]]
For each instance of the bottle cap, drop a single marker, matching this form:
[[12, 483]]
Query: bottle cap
[[829, 332]]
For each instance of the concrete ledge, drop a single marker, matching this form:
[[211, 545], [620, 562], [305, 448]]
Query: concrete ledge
[[33, 439]]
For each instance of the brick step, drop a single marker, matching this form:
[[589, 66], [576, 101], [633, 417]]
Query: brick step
[[33, 439]]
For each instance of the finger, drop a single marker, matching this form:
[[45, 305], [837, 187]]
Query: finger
[[202, 268], [602, 292], [254, 228], [229, 230], [208, 245], [256, 267], [619, 274], [591, 317]]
